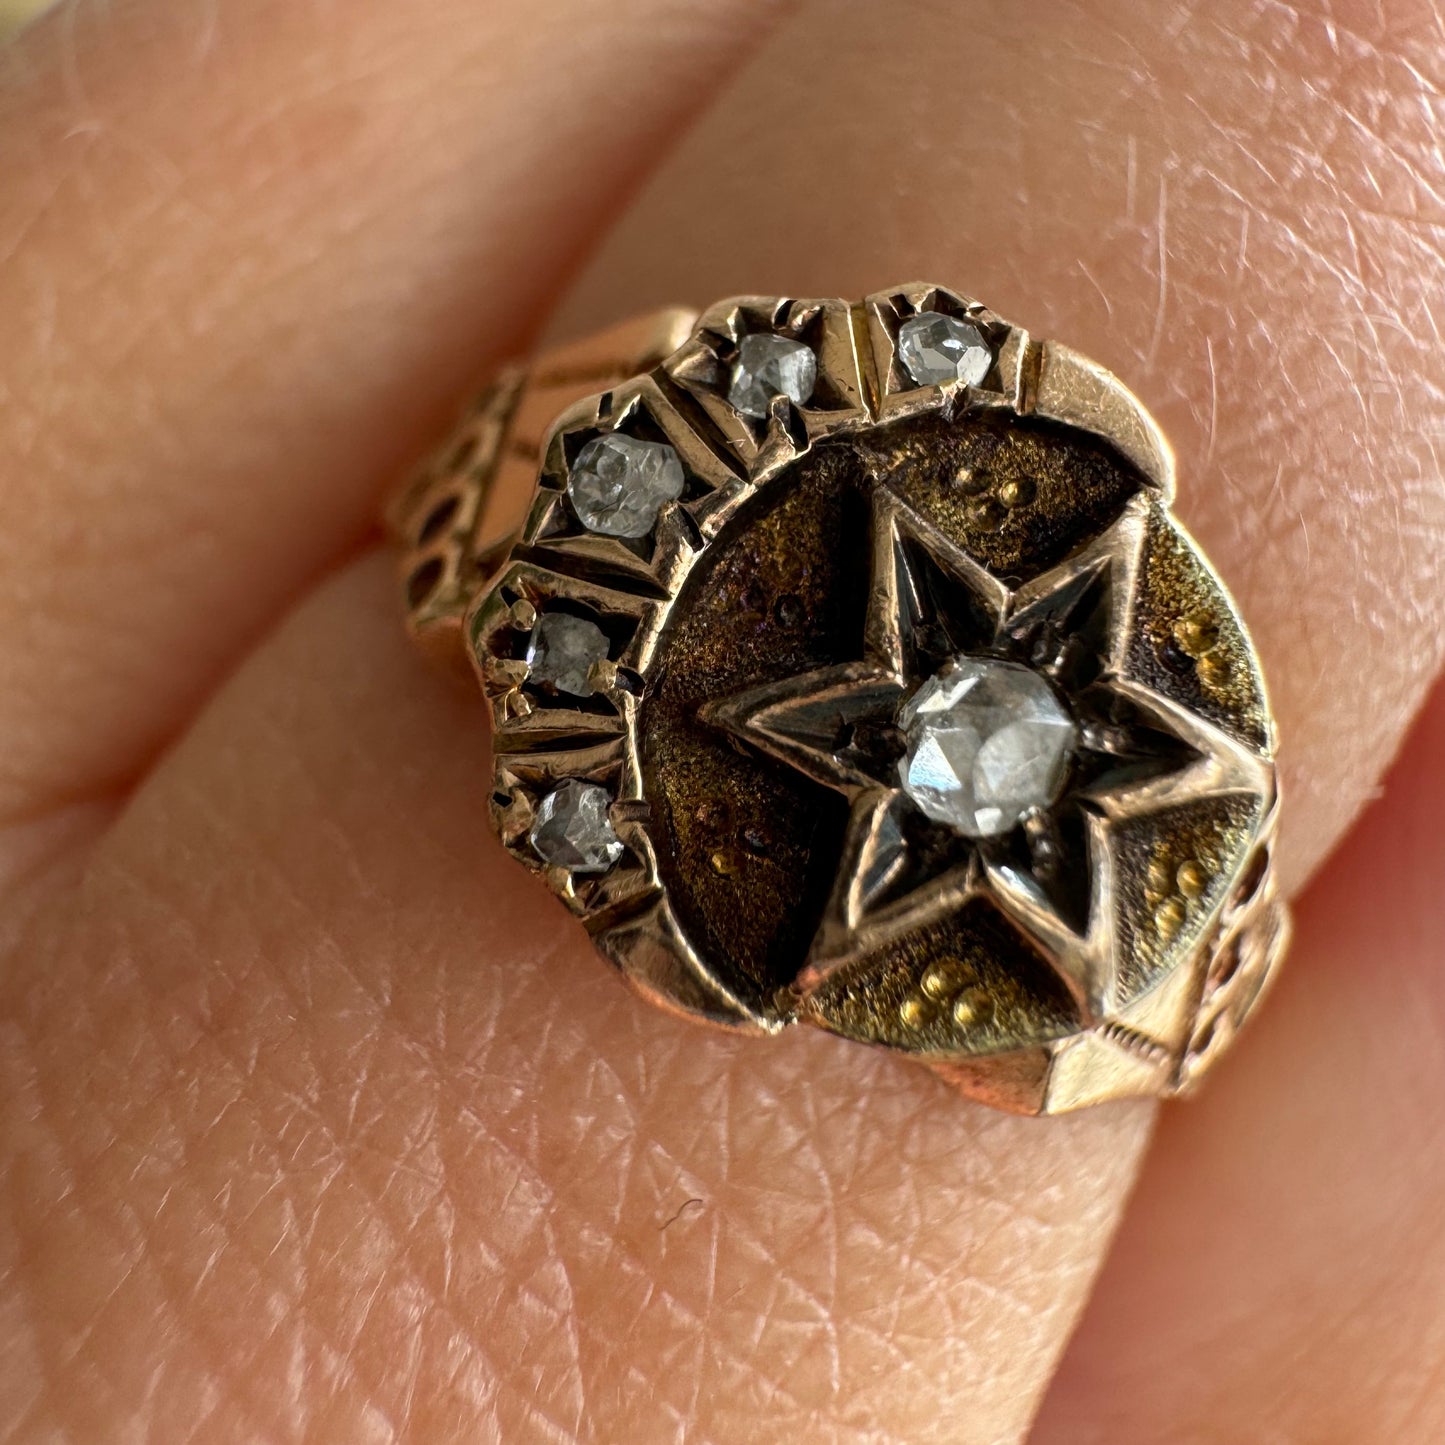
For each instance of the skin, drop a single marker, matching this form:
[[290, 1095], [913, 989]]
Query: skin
[[316, 1120]]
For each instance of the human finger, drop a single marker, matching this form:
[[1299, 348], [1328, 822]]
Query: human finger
[[1281, 1271], [252, 252]]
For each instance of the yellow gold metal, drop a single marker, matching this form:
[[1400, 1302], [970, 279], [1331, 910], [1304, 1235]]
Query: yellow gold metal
[[1170, 917], [1160, 876], [941, 980], [1197, 633], [761, 864], [1213, 670], [1016, 492], [972, 1007], [916, 1011], [1192, 879]]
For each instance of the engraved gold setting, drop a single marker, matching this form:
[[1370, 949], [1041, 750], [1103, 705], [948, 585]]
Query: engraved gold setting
[[826, 551]]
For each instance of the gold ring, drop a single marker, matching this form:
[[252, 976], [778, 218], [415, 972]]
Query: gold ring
[[847, 667]]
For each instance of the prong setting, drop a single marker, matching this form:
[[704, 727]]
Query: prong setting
[[1005, 506]]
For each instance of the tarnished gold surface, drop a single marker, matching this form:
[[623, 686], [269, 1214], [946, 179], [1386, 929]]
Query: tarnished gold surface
[[749, 889]]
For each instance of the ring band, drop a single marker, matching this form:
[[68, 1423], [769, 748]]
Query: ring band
[[847, 667]]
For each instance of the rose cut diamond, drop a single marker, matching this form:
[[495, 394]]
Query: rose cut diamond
[[936, 348], [618, 484], [563, 650], [769, 366], [572, 829], [987, 742]]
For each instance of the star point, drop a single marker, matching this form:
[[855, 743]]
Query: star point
[[932, 606]]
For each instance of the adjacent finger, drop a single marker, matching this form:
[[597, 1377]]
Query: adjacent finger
[[1281, 1273], [253, 251], [317, 1124], [1238, 209]]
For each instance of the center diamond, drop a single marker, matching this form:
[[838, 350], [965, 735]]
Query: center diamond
[[987, 742]]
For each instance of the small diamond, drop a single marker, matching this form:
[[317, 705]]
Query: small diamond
[[937, 348], [572, 829], [769, 366], [988, 742], [562, 651], [619, 484]]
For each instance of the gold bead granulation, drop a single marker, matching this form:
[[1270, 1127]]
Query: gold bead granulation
[[1169, 917], [1196, 633], [1192, 879], [1213, 669], [944, 989], [916, 1011], [972, 1006], [1161, 876], [1016, 492], [724, 862], [985, 515], [941, 980]]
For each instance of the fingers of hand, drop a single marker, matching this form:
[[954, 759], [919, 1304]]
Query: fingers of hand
[[308, 1079], [1121, 165], [252, 253], [1287, 1229], [1241, 213]]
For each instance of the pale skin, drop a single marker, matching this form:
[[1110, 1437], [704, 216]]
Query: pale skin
[[318, 1120]]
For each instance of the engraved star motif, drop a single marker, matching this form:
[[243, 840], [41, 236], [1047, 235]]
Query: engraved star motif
[[1053, 876]]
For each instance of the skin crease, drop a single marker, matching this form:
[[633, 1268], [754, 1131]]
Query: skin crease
[[1238, 211], [442, 1186], [1301, 1224], [231, 311], [317, 1121]]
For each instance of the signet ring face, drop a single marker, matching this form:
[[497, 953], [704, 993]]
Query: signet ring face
[[847, 667]]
